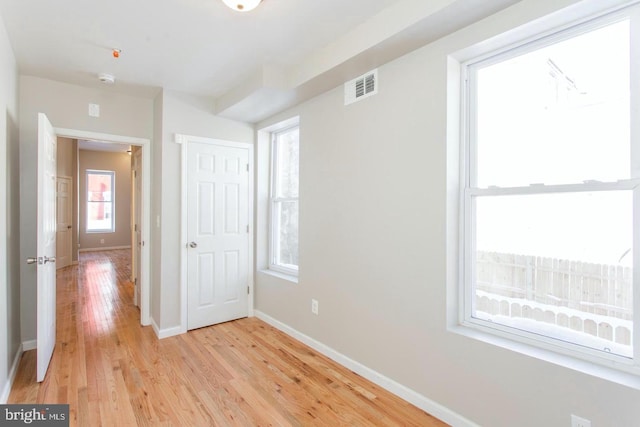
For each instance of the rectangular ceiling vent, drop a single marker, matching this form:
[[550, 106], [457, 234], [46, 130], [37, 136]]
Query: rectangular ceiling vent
[[361, 87]]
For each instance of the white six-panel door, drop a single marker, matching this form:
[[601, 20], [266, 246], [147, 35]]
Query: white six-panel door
[[46, 246], [217, 233]]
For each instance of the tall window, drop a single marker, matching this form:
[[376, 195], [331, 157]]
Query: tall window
[[551, 192], [283, 243], [100, 202]]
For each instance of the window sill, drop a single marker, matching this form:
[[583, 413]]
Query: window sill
[[599, 370], [283, 276]]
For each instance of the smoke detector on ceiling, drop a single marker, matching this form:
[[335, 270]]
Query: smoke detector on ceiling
[[105, 78]]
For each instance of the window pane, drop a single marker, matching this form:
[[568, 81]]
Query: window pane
[[287, 250], [287, 163], [559, 265], [100, 200], [559, 114], [99, 216], [99, 187]]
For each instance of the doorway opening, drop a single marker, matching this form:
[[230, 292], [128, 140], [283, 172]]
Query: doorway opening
[[110, 201]]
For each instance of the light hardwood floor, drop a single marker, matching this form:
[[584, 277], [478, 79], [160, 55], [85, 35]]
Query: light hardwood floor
[[113, 372]]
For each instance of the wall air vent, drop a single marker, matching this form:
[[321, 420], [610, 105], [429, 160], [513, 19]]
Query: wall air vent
[[361, 87]]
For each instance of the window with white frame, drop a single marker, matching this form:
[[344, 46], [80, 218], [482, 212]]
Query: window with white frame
[[283, 236], [100, 201], [550, 194]]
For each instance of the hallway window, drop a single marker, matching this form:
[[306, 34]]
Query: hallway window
[[284, 201], [100, 209]]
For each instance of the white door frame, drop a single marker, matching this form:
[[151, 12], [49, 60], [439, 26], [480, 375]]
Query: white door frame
[[145, 144], [136, 241], [184, 140]]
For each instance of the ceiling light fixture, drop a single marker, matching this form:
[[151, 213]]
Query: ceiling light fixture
[[242, 5]]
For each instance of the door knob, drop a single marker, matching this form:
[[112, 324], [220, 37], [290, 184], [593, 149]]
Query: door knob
[[47, 259], [33, 260], [69, 227], [193, 245]]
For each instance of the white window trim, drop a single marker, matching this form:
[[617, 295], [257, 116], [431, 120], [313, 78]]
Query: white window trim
[[113, 200], [534, 345], [273, 200]]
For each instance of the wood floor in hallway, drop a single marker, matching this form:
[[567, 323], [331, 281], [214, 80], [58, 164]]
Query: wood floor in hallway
[[114, 372]]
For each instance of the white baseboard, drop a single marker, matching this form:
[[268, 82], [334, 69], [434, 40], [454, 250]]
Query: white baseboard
[[437, 410], [105, 248], [11, 377], [155, 328], [29, 345], [166, 333]]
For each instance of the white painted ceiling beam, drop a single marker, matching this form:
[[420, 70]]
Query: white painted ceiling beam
[[393, 32]]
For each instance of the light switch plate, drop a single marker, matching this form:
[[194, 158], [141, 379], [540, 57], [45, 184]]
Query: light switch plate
[[94, 110]]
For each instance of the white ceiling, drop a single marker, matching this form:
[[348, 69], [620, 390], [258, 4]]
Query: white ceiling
[[249, 64]]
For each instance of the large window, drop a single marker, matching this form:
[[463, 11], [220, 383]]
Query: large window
[[100, 202], [551, 195], [283, 242]]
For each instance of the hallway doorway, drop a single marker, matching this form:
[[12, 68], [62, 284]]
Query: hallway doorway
[[138, 232]]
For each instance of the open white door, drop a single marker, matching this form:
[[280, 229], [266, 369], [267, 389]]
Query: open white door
[[218, 233], [46, 257]]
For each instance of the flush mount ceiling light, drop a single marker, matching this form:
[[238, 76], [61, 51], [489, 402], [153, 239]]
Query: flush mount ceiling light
[[242, 5]]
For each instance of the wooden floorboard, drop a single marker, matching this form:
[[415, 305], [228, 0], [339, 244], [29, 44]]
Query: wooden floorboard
[[113, 372]]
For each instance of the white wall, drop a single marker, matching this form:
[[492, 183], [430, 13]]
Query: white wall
[[373, 246], [9, 214], [66, 106], [188, 116]]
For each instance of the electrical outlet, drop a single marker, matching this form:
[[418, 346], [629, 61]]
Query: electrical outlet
[[314, 306], [577, 421]]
